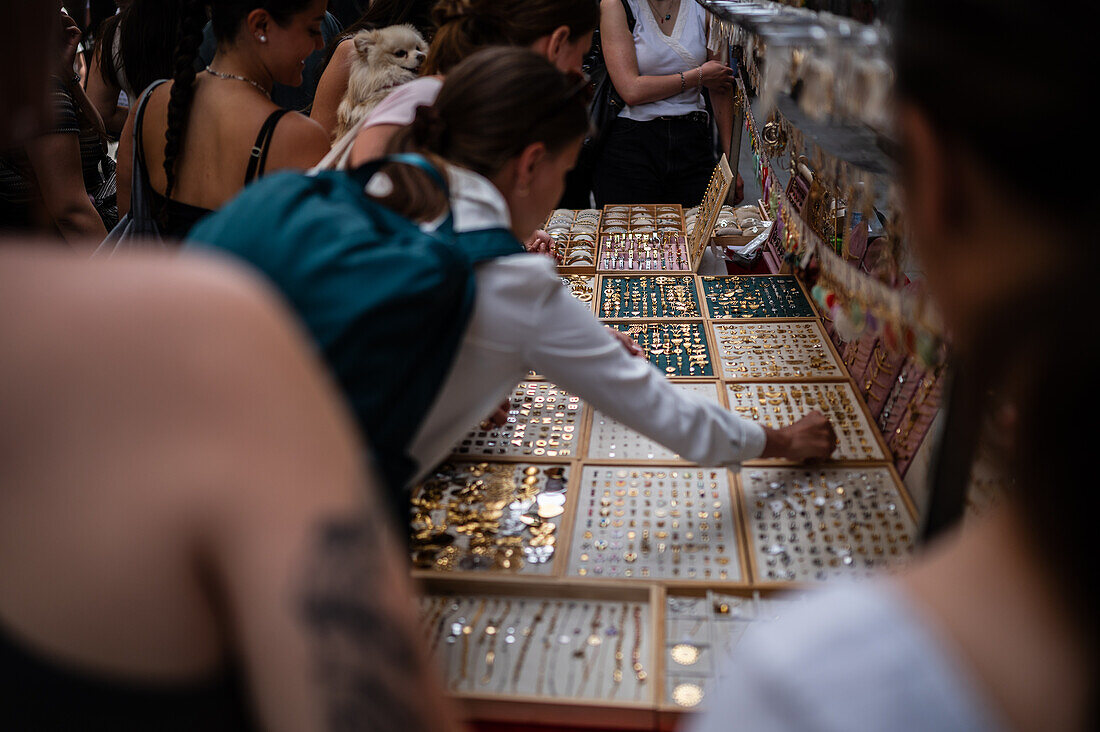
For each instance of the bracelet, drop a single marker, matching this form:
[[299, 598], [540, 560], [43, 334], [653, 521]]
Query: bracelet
[[683, 84], [700, 70]]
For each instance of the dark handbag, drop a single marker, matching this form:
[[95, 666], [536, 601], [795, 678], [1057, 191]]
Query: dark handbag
[[105, 198], [138, 228], [602, 112]]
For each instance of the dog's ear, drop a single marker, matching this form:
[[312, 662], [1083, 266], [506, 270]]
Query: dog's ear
[[364, 39]]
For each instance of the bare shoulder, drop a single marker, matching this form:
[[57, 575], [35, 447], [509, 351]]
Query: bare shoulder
[[343, 54], [612, 9], [299, 142], [206, 341]]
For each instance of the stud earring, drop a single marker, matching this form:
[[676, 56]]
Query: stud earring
[[263, 39]]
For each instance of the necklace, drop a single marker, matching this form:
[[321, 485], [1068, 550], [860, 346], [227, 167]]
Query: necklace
[[493, 630], [234, 77], [667, 16]]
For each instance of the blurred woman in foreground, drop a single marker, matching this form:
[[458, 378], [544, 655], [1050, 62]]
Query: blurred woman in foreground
[[995, 627], [187, 537]]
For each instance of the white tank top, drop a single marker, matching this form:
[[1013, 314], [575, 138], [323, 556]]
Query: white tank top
[[659, 55]]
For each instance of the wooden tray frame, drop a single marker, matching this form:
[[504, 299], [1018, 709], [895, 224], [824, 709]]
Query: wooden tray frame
[[530, 709], [582, 421], [706, 337], [604, 211], [620, 272], [589, 460], [857, 398], [581, 269], [841, 374], [736, 517], [709, 209], [761, 584], [644, 275], [798, 281]]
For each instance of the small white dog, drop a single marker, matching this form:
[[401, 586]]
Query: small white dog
[[384, 59]]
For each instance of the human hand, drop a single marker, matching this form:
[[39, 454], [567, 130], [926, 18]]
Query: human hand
[[499, 417], [540, 243], [811, 437], [716, 76], [627, 342], [69, 42]]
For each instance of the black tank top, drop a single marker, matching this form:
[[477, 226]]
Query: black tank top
[[37, 693], [175, 218]]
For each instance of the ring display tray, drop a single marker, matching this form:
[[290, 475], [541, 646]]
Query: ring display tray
[[582, 287], [654, 296], [489, 517], [658, 523], [544, 422], [794, 350], [642, 219], [734, 297], [611, 440], [679, 348], [575, 234], [809, 524], [778, 404]]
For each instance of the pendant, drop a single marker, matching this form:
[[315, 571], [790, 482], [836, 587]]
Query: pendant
[[668, 16]]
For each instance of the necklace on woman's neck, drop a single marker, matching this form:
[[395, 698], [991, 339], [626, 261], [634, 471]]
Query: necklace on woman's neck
[[234, 77], [667, 16]]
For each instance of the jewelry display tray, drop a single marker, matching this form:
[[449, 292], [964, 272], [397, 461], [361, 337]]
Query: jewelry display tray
[[576, 235], [755, 592]]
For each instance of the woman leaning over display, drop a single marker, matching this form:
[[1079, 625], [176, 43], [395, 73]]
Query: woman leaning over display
[[506, 127], [206, 135], [660, 149]]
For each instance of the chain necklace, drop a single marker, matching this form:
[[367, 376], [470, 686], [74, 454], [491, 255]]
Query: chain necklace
[[234, 77], [667, 16]]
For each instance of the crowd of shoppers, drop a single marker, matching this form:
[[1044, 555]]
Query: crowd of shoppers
[[197, 452]]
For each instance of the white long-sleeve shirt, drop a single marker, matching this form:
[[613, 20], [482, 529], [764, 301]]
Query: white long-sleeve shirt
[[524, 319]]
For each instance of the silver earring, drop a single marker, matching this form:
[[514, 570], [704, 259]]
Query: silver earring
[[263, 39]]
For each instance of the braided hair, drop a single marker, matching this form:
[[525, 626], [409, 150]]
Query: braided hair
[[183, 87]]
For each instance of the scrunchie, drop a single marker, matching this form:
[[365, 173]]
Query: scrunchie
[[428, 129]]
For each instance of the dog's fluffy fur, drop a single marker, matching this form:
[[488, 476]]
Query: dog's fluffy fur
[[383, 60]]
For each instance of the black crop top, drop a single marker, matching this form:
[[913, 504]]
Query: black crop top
[[42, 695]]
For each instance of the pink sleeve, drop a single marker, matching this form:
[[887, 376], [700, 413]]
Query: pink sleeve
[[399, 107]]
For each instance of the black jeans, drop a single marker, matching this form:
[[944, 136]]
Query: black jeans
[[667, 160]]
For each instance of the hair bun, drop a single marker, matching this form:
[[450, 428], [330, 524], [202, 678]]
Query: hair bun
[[428, 129], [448, 10]]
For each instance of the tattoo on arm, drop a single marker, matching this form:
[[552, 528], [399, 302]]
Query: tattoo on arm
[[367, 662]]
